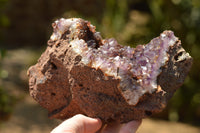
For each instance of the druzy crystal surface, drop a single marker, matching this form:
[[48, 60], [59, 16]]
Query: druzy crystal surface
[[137, 68]]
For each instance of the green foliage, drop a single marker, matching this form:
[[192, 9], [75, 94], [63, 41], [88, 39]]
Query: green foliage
[[6, 100], [6, 104]]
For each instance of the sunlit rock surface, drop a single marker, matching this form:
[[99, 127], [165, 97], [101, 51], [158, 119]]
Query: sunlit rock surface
[[101, 78]]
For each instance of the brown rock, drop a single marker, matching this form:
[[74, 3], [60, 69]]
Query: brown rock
[[63, 85]]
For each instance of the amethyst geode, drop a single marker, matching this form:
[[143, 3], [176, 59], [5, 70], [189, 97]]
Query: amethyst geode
[[82, 73]]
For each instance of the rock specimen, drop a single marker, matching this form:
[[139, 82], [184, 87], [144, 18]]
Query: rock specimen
[[82, 73]]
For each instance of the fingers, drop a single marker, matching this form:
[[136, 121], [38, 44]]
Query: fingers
[[116, 127], [90, 125], [79, 124], [113, 127], [130, 127], [83, 124]]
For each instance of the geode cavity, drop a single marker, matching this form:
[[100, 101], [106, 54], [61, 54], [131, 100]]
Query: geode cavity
[[82, 73]]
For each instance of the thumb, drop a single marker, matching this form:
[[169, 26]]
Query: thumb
[[79, 124]]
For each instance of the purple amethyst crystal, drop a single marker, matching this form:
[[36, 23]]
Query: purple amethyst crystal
[[137, 68], [101, 78]]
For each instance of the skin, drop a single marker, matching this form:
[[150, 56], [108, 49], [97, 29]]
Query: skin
[[83, 124]]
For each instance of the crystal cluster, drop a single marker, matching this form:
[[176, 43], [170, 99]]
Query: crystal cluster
[[137, 68], [81, 73]]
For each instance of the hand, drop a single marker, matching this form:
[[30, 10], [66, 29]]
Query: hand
[[116, 127], [82, 124], [79, 124]]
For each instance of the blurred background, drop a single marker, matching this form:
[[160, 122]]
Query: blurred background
[[25, 27]]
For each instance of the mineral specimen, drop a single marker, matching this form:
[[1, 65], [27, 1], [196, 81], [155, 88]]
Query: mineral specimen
[[82, 73]]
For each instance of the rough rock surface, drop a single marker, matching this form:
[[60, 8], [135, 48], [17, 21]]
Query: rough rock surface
[[81, 73]]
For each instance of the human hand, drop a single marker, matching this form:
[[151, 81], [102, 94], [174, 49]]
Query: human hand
[[79, 124], [82, 124], [116, 127]]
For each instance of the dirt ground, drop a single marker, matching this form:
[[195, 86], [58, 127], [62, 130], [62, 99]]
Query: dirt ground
[[29, 117]]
